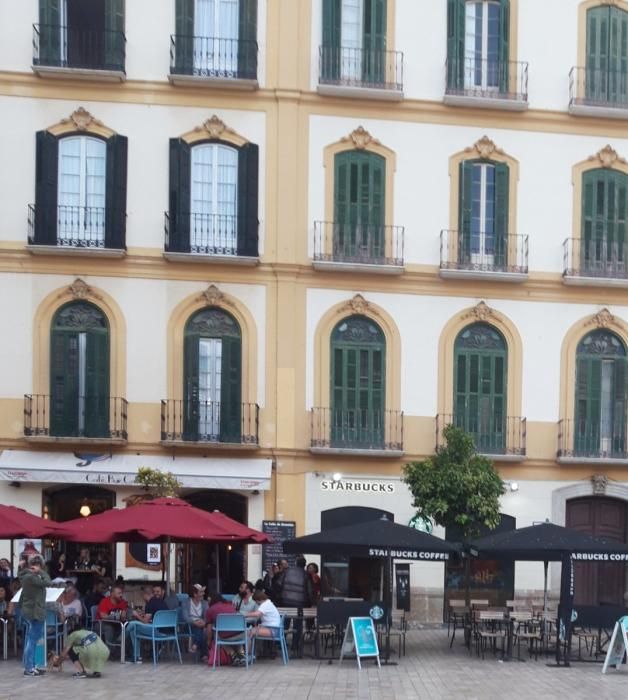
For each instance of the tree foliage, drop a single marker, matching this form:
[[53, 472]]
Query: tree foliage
[[456, 487], [157, 483]]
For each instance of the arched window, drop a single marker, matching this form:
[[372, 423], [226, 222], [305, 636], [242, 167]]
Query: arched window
[[606, 55], [600, 404], [358, 384], [79, 372], [483, 214], [480, 366], [359, 202], [604, 223], [82, 188], [214, 199], [212, 390]]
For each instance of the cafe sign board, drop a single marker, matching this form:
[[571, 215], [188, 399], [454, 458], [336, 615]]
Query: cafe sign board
[[360, 639], [618, 647]]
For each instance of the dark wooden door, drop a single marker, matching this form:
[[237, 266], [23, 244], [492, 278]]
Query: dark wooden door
[[599, 583]]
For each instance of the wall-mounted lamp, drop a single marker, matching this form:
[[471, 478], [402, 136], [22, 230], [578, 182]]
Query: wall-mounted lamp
[[337, 476], [85, 510], [514, 485]]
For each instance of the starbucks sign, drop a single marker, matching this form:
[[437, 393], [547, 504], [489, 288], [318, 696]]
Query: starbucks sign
[[418, 522]]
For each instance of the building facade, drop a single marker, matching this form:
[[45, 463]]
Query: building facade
[[275, 246]]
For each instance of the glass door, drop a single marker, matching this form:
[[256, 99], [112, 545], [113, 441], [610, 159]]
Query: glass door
[[216, 37], [481, 46], [483, 214], [209, 386], [351, 40]]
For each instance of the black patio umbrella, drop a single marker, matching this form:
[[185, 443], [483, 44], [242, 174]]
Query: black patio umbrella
[[548, 542]]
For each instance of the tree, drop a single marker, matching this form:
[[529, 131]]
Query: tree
[[456, 488], [158, 483]]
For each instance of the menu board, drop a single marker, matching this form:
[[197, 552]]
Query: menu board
[[279, 531]]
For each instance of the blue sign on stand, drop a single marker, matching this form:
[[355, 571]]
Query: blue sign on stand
[[618, 646], [360, 639]]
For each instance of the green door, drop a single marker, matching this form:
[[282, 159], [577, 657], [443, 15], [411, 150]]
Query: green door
[[604, 219], [480, 387], [212, 388], [359, 192], [600, 405], [79, 372], [357, 385], [606, 75]]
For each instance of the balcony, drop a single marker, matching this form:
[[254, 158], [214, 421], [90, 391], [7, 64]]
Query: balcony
[[587, 443], [224, 63], [208, 238], [498, 437], [73, 52], [363, 73], [83, 419], [473, 82], [483, 256], [595, 263], [377, 433], [66, 230], [209, 424], [358, 248], [598, 93]]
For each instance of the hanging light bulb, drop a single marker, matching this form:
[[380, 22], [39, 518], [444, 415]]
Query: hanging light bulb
[[85, 510]]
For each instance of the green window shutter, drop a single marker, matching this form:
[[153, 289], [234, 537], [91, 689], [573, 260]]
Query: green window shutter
[[247, 39], [248, 193], [46, 188], [618, 56], [184, 37], [64, 384], [620, 376], [97, 385], [465, 209], [49, 32], [231, 391], [190, 387], [588, 404], [115, 196], [455, 44], [114, 35], [179, 196], [501, 213], [330, 59], [504, 46], [374, 42], [597, 50]]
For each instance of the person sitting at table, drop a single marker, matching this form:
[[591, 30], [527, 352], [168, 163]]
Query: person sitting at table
[[57, 567], [5, 574], [87, 651], [243, 602], [3, 600], [70, 604], [269, 617], [219, 606], [194, 610], [142, 621], [93, 598], [112, 609]]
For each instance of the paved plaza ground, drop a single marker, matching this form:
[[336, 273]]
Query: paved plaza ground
[[429, 671]]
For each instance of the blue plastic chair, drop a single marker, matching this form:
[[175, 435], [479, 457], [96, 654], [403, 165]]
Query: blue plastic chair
[[279, 639], [184, 628], [228, 597], [54, 629], [163, 629], [232, 624]]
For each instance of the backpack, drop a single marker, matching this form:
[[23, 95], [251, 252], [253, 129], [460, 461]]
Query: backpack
[[223, 658]]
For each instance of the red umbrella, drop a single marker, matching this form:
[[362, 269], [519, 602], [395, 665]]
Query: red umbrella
[[160, 520], [16, 523]]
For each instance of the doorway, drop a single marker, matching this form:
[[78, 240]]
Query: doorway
[[599, 583], [83, 31]]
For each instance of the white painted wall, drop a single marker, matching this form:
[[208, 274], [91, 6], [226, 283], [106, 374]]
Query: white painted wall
[[147, 306]]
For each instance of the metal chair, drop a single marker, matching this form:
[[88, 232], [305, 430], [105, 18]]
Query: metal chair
[[235, 626], [491, 626], [279, 639], [163, 629], [528, 629]]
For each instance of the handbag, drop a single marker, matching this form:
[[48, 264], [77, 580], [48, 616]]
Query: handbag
[[223, 658]]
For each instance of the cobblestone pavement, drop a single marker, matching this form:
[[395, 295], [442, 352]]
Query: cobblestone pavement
[[430, 671]]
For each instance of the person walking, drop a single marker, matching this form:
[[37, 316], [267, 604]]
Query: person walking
[[34, 579]]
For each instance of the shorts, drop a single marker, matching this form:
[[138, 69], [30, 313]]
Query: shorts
[[275, 632]]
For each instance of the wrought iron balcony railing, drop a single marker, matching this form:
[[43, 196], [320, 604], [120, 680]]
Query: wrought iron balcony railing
[[595, 258], [207, 234], [80, 417], [361, 68], [581, 439], [484, 252], [60, 46], [482, 78], [598, 88], [209, 422], [359, 244], [357, 429], [492, 434], [213, 57], [76, 227]]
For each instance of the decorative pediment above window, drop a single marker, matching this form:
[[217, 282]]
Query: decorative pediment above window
[[360, 138], [603, 319], [358, 305], [483, 148], [607, 157], [214, 129], [212, 296], [480, 312], [83, 121], [600, 483], [80, 290]]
